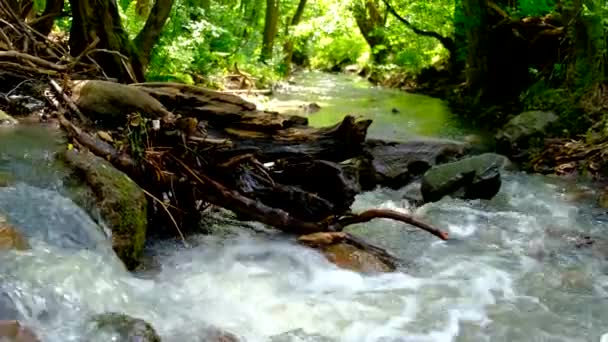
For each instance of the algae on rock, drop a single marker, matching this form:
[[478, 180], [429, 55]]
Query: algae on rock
[[122, 204], [127, 328]]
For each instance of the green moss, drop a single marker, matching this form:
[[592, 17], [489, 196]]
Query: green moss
[[122, 204], [6, 179], [129, 328]]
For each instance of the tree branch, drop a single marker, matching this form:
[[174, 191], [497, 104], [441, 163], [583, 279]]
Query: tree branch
[[448, 43], [369, 215], [148, 36]]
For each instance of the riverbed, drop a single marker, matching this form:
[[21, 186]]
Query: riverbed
[[511, 271]]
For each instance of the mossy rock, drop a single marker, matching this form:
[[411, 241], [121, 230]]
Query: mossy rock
[[122, 204], [7, 120], [468, 178], [525, 130], [123, 327], [6, 179]]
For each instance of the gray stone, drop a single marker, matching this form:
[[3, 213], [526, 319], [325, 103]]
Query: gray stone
[[468, 178], [396, 164], [521, 129]]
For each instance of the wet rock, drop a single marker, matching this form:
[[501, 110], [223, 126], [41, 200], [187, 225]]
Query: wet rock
[[522, 131], [122, 204], [47, 215], [299, 335], [203, 334], [6, 179], [8, 309], [7, 120], [123, 328], [395, 165], [214, 334], [311, 108], [469, 178], [24, 105], [337, 250], [13, 331], [352, 258], [11, 238]]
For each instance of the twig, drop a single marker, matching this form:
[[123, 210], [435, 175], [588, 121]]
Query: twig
[[6, 39], [67, 100], [164, 206], [27, 57], [369, 215], [34, 71]]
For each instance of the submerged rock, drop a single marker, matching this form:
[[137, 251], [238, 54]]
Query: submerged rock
[[8, 308], [469, 178], [122, 204], [46, 215], [121, 327], [207, 334], [10, 238], [299, 335], [13, 331], [521, 130], [336, 249], [396, 164]]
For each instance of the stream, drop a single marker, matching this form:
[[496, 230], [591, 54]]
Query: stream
[[510, 273]]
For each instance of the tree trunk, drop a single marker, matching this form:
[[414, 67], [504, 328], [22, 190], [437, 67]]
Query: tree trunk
[[289, 44], [148, 36], [52, 10], [476, 18], [371, 21], [99, 19], [270, 28]]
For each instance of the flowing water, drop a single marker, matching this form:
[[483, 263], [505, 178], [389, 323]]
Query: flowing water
[[510, 273]]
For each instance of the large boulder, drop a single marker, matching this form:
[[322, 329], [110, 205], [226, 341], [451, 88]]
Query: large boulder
[[121, 203], [120, 327], [11, 238], [524, 130], [13, 331], [468, 178], [396, 164]]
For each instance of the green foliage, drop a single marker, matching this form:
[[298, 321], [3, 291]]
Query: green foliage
[[197, 46], [527, 8]]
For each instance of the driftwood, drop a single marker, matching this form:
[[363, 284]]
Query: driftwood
[[213, 148]]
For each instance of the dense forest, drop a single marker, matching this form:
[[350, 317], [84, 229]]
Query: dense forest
[[529, 54]]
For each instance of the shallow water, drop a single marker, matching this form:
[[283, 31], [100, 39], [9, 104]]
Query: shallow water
[[510, 273], [397, 115]]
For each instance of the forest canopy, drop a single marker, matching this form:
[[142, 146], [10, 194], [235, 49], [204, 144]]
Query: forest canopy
[[497, 52]]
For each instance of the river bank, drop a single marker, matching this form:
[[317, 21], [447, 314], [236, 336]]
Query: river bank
[[517, 265]]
